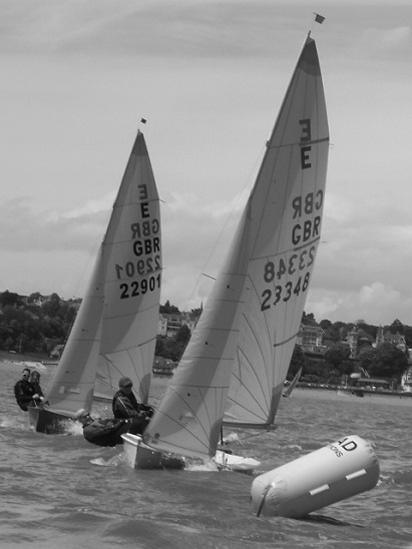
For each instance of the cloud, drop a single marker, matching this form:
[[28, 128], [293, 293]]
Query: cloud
[[376, 303], [189, 28], [23, 229], [378, 41], [210, 77], [400, 37], [96, 206], [195, 238], [362, 261]]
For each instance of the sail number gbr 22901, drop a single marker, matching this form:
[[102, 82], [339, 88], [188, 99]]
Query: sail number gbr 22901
[[141, 272]]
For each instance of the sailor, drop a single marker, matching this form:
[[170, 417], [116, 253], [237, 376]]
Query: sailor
[[125, 406], [38, 396], [102, 431], [23, 390]]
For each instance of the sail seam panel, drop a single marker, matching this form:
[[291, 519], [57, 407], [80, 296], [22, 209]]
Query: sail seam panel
[[260, 383], [118, 205], [184, 427], [201, 386], [287, 250], [126, 315], [236, 402], [298, 143], [247, 409], [126, 349]]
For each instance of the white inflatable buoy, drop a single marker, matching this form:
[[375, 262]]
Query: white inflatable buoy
[[332, 473]]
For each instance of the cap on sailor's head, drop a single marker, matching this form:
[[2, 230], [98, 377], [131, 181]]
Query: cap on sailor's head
[[125, 381]]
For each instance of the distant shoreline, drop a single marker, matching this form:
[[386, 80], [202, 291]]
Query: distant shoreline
[[23, 357]]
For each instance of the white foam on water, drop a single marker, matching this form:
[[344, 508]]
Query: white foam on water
[[114, 461], [209, 467], [231, 437], [33, 365], [7, 422], [73, 428]]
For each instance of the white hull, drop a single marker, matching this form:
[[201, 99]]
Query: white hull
[[140, 456], [235, 463]]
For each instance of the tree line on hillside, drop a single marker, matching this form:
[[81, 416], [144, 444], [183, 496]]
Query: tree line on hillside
[[29, 324], [35, 324], [384, 361]]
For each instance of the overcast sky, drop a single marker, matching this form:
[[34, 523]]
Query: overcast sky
[[209, 76]]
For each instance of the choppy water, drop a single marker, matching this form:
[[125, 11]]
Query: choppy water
[[62, 492]]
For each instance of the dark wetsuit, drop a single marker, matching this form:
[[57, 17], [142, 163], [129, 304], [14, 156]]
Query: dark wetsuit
[[37, 388], [105, 432], [129, 417], [23, 391], [125, 406]]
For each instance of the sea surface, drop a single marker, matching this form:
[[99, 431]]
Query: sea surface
[[59, 491]]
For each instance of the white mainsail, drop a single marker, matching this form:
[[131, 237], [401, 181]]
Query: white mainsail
[[73, 381], [114, 334], [287, 200], [188, 420], [240, 351]]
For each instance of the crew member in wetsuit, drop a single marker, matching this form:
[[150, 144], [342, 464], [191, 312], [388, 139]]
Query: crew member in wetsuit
[[102, 431], [38, 396], [23, 390], [125, 406]]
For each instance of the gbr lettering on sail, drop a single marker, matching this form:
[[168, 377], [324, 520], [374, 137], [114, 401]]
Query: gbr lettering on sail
[[141, 273], [287, 275]]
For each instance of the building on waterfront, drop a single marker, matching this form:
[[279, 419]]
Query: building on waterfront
[[358, 339], [386, 336], [310, 339], [170, 323]]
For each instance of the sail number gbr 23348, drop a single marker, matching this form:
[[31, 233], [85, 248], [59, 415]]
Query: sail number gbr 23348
[[283, 292], [285, 267]]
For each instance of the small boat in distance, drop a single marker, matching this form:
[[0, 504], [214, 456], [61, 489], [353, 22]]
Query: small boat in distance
[[114, 333], [236, 362], [370, 392]]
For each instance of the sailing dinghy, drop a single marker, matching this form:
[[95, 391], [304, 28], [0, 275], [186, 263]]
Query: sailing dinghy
[[114, 334], [235, 365], [287, 391]]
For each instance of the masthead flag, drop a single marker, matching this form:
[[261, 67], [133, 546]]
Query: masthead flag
[[319, 18]]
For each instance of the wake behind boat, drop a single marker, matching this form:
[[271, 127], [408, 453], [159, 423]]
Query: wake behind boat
[[236, 362], [114, 334]]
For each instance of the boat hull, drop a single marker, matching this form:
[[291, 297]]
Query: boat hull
[[140, 456], [233, 462], [47, 421]]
